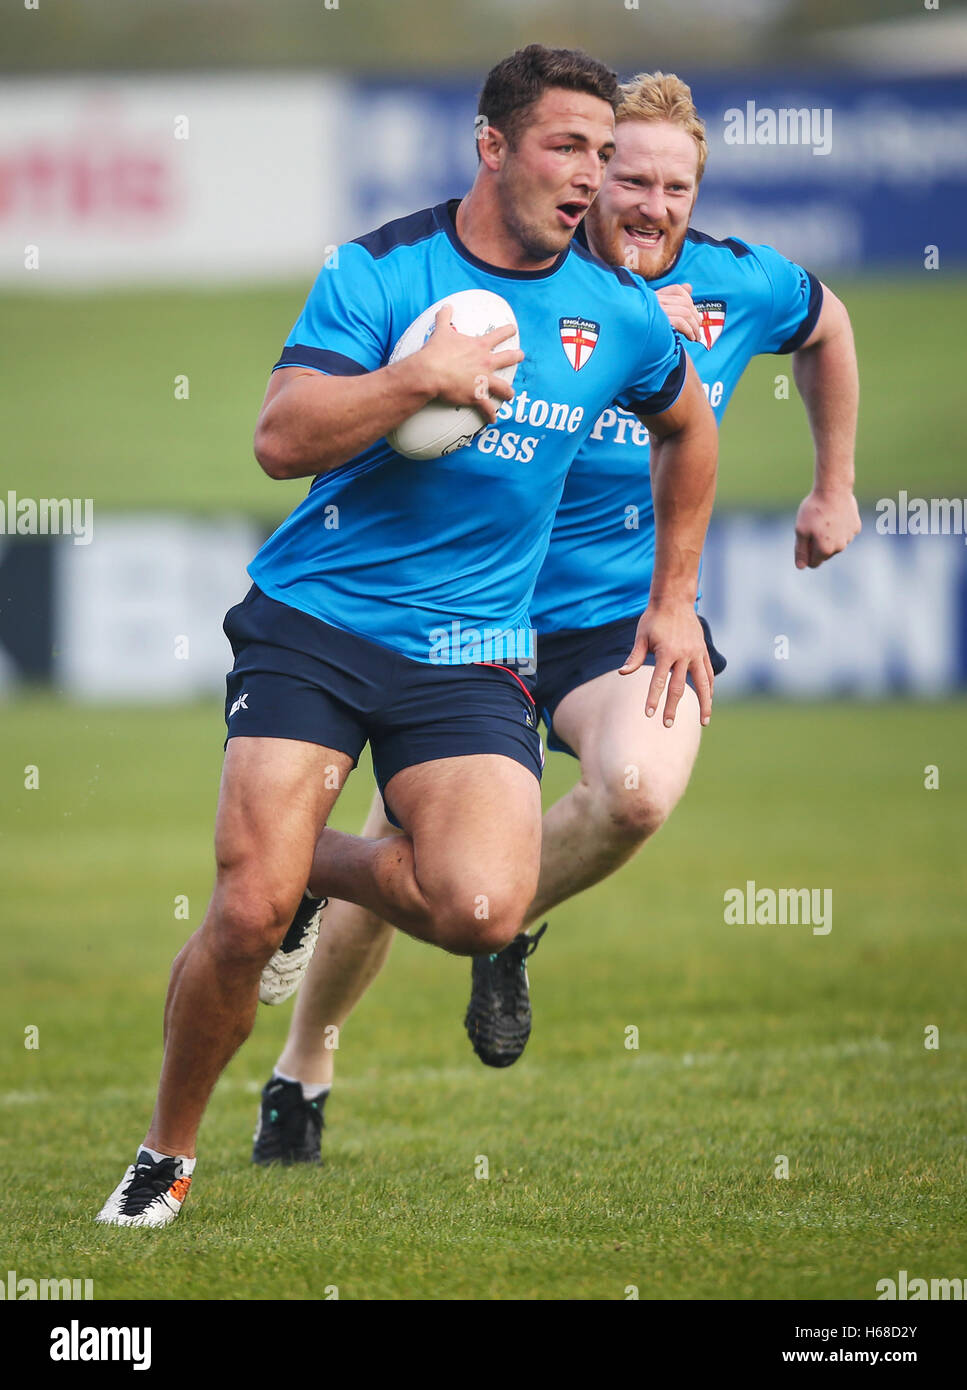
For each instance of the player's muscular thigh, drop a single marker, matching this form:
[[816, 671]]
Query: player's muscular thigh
[[475, 823], [275, 797]]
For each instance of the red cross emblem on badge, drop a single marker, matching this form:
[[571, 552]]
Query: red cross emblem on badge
[[578, 338], [711, 312]]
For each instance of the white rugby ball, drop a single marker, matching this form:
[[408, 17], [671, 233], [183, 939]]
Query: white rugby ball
[[439, 428]]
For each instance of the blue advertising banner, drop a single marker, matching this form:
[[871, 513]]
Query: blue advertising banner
[[846, 172], [887, 616]]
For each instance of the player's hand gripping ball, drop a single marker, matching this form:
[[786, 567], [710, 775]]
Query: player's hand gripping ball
[[440, 428]]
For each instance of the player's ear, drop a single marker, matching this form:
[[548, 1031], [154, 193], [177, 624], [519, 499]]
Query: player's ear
[[492, 147]]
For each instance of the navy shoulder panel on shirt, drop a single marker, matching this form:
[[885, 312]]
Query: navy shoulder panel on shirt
[[815, 301], [805, 329], [402, 231], [731, 243]]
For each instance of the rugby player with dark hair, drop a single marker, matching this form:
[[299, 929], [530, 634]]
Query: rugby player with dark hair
[[731, 300], [333, 643]]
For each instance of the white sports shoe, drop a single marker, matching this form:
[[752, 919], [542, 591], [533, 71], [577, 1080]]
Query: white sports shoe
[[282, 976], [150, 1194]]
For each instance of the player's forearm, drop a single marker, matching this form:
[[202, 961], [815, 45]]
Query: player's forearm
[[316, 422], [683, 471], [828, 381]]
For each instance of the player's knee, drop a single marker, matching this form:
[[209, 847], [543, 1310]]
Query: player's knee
[[635, 812], [250, 923], [478, 928]]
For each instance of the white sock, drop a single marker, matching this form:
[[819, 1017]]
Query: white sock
[[310, 1091], [187, 1164]]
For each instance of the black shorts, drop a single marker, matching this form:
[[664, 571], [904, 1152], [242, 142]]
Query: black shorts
[[297, 677], [566, 660]]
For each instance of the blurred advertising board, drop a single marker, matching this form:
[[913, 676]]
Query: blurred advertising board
[[124, 180], [137, 613], [851, 173], [216, 178]]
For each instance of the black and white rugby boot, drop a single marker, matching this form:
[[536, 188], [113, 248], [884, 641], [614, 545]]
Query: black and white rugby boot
[[498, 1020], [289, 1128], [283, 974], [151, 1193]]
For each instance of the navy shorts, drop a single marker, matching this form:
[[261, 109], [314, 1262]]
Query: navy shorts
[[566, 660], [297, 677]]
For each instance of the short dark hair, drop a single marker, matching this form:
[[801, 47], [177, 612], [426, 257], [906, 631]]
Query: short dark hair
[[517, 83]]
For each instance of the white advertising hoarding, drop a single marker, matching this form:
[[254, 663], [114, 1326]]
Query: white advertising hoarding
[[137, 615], [119, 180]]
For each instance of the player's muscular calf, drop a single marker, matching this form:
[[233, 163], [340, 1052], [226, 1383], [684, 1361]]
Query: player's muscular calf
[[273, 803], [310, 422], [351, 952]]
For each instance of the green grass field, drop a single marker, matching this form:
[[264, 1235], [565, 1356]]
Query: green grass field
[[99, 418], [609, 1167]]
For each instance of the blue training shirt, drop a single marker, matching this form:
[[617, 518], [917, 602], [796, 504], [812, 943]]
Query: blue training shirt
[[602, 549], [425, 557]]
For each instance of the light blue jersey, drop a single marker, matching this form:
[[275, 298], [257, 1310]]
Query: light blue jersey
[[602, 550], [426, 558]]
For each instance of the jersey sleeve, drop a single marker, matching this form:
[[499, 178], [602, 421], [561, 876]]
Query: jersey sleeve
[[345, 325], [661, 367], [796, 299]]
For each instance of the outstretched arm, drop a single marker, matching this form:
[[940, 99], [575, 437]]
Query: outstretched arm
[[684, 455], [826, 377]]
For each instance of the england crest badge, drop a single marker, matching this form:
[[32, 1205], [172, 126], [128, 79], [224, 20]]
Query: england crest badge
[[711, 312], [578, 338]]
